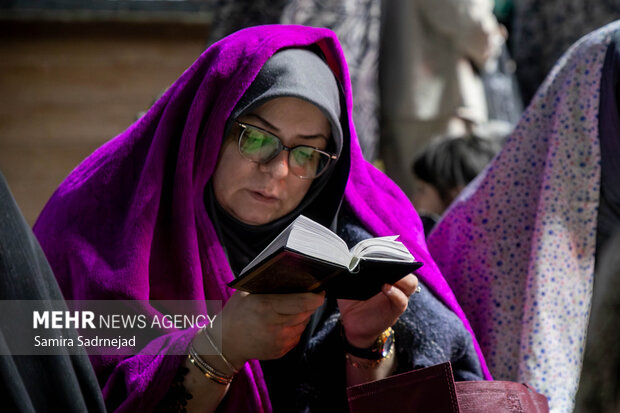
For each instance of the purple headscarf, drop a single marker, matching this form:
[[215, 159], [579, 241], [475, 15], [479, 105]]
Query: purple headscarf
[[518, 244], [130, 221]]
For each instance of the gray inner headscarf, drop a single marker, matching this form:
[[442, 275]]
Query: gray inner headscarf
[[298, 73]]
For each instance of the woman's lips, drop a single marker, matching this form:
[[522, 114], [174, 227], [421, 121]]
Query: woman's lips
[[262, 197]]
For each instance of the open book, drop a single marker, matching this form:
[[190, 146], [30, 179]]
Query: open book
[[307, 257]]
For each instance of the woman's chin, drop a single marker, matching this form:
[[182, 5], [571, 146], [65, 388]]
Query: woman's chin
[[255, 219]]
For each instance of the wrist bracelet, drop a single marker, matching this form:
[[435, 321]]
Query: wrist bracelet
[[219, 352], [209, 371]]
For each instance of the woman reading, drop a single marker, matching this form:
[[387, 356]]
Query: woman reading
[[256, 132]]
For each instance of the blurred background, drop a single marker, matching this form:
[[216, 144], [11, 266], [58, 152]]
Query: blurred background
[[74, 74]]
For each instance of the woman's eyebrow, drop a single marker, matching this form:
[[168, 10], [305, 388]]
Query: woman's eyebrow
[[320, 135], [264, 121], [276, 129]]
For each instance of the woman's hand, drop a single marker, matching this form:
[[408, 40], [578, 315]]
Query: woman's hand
[[364, 321], [265, 326], [252, 326]]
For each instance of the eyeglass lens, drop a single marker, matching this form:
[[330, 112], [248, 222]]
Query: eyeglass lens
[[259, 146]]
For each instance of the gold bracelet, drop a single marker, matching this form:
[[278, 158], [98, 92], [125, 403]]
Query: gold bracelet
[[219, 352], [368, 364], [209, 371]]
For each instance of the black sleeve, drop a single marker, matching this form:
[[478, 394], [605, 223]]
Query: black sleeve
[[36, 383]]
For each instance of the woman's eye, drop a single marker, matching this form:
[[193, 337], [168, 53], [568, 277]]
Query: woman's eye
[[252, 143], [255, 140], [303, 155]]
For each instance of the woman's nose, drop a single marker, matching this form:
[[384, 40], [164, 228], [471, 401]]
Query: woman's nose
[[278, 167]]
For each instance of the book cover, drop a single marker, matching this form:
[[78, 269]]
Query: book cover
[[289, 271]]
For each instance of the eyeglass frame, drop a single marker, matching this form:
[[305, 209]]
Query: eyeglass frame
[[283, 147]]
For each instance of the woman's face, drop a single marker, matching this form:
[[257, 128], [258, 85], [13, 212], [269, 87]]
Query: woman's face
[[426, 198], [255, 193]]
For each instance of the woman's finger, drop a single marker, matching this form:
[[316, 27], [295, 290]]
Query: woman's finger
[[398, 299], [407, 284]]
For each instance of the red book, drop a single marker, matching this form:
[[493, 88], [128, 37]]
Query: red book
[[433, 390]]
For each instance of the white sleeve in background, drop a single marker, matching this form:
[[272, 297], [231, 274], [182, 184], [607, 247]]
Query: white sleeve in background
[[470, 24]]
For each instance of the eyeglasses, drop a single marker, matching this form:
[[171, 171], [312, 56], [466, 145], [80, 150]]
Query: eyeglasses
[[261, 147]]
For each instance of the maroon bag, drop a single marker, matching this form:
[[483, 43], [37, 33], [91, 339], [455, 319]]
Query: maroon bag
[[433, 390]]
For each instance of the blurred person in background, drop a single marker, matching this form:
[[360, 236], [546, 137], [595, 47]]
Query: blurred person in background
[[446, 166], [542, 30], [430, 54]]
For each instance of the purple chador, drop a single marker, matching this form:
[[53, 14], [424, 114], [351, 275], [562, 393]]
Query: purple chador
[[130, 221]]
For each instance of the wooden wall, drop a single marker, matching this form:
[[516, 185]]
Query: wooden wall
[[68, 87]]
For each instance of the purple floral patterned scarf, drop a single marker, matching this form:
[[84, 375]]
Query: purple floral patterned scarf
[[518, 245]]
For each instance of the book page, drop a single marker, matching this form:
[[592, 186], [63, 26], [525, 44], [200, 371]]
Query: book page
[[311, 238], [382, 248]]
